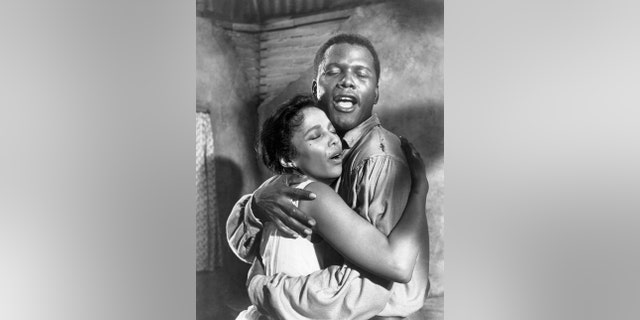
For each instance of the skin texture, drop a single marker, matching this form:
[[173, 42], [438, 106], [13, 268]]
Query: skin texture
[[393, 257], [346, 85], [318, 147], [346, 73]]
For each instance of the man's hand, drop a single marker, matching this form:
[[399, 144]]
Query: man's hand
[[272, 202]]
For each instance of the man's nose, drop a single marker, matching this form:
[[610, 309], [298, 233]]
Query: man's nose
[[347, 81]]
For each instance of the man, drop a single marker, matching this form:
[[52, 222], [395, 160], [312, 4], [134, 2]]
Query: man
[[374, 182]]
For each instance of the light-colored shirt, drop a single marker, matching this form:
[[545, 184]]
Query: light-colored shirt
[[375, 182]]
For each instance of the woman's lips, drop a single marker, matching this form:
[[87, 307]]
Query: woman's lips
[[337, 156]]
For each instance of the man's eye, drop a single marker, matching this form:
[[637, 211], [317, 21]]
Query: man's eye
[[331, 72]]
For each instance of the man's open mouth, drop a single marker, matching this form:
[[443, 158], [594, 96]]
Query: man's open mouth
[[345, 102]]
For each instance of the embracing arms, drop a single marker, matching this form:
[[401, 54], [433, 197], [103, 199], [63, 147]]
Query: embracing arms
[[270, 202], [356, 239]]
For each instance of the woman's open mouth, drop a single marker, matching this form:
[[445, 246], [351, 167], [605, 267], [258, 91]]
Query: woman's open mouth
[[337, 156]]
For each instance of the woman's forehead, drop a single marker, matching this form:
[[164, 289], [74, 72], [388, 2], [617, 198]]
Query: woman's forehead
[[314, 114], [312, 117]]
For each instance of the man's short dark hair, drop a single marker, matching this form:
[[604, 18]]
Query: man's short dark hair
[[350, 38], [277, 131]]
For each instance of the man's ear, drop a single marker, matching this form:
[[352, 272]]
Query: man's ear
[[376, 99], [314, 88]]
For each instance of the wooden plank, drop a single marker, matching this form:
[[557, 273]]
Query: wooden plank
[[286, 60], [292, 55], [246, 42], [271, 85], [279, 50], [253, 44], [246, 27], [308, 51], [270, 80], [289, 22], [298, 41], [313, 29], [280, 82], [286, 67], [248, 52], [265, 73]]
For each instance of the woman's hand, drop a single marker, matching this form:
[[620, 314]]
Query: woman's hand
[[416, 165]]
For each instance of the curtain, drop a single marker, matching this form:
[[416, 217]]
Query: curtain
[[208, 228]]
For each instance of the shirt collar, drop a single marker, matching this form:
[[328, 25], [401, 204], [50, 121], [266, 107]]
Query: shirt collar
[[354, 135]]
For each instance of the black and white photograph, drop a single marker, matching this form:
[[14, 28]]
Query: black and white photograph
[[320, 159], [320, 132]]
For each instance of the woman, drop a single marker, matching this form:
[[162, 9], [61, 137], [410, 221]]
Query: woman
[[299, 138]]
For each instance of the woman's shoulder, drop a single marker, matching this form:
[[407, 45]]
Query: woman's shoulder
[[319, 188], [325, 196]]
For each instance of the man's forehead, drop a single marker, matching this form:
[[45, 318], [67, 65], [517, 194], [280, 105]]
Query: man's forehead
[[339, 51], [354, 53]]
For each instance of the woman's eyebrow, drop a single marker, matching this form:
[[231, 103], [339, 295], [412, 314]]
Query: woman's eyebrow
[[317, 126]]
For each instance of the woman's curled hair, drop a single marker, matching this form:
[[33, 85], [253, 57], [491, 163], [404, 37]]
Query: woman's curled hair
[[277, 131]]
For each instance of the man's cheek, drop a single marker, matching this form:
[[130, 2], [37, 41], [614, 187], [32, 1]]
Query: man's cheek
[[321, 92]]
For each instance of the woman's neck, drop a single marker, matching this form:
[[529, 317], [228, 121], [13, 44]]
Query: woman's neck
[[327, 181]]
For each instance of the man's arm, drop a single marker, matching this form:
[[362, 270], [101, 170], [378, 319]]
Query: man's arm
[[270, 202], [384, 184], [243, 229], [381, 186], [337, 292]]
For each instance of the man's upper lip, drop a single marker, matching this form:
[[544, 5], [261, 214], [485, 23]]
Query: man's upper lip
[[345, 96]]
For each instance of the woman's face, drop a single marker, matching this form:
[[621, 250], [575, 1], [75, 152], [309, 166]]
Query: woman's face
[[318, 147]]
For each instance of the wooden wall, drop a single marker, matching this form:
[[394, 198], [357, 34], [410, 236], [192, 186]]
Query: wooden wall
[[277, 52], [288, 46]]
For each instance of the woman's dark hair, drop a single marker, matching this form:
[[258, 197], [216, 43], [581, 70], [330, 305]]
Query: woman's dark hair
[[277, 130]]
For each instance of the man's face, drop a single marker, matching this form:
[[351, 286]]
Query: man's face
[[346, 85]]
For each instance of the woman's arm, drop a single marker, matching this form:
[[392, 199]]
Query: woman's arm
[[391, 257]]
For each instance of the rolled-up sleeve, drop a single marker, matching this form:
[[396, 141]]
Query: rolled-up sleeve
[[243, 228], [337, 292]]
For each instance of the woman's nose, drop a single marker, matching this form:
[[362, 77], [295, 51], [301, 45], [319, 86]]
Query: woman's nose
[[334, 140]]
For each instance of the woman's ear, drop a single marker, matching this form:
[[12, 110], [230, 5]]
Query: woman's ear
[[287, 164]]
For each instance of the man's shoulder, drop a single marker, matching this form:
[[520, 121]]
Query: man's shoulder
[[380, 142]]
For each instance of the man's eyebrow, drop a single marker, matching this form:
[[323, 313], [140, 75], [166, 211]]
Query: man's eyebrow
[[362, 66]]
